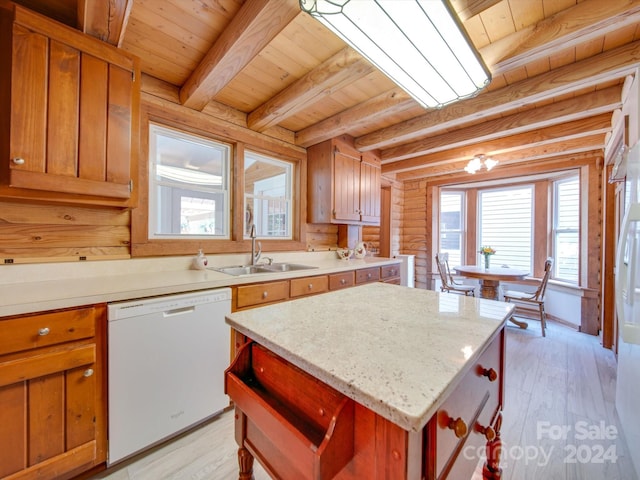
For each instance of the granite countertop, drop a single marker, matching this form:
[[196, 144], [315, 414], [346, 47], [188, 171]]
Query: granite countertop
[[398, 351], [40, 287]]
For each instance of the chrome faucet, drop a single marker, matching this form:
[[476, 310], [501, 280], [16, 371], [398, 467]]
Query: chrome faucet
[[254, 256]]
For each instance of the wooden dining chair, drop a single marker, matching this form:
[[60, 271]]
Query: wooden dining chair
[[448, 282], [527, 302]]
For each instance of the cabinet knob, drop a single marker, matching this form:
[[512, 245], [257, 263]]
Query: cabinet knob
[[368, 275], [490, 373], [458, 426], [265, 294], [488, 432], [311, 286], [343, 281], [88, 372], [18, 161], [44, 331]]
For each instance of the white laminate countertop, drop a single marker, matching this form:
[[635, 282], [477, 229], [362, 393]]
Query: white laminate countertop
[[39, 287], [398, 351]]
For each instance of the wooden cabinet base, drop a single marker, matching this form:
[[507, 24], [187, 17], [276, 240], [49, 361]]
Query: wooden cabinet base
[[300, 428]]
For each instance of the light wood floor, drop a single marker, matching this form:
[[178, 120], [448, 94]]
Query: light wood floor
[[565, 381]]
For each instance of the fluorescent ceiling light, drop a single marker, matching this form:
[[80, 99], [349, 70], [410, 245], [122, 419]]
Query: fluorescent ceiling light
[[419, 44]]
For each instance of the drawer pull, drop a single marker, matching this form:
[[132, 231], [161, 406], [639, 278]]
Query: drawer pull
[[458, 426], [343, 281], [88, 372], [368, 275], [311, 286], [265, 294], [488, 432], [490, 373], [18, 161], [44, 331]]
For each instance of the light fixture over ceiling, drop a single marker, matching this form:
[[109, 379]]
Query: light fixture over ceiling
[[419, 44], [479, 161]]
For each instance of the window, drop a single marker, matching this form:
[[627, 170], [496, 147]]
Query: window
[[505, 223], [566, 223], [267, 196], [451, 225], [188, 185]]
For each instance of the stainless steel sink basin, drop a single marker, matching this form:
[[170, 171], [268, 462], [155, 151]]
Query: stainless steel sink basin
[[262, 268], [243, 269], [287, 267]]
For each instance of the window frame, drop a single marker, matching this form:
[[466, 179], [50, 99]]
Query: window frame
[[463, 221], [174, 116], [554, 229]]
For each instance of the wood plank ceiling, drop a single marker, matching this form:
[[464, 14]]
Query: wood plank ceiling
[[558, 68]]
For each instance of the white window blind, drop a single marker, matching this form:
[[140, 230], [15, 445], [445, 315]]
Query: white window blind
[[566, 224], [505, 224], [451, 218]]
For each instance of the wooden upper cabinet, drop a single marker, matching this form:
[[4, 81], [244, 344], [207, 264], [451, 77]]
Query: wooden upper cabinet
[[343, 184], [70, 106]]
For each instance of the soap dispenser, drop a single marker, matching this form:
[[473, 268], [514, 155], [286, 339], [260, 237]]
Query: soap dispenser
[[200, 261]]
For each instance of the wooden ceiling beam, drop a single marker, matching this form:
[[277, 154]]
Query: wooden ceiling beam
[[104, 19], [582, 106], [566, 29], [252, 28], [518, 170], [342, 69], [615, 63], [387, 103], [582, 149], [600, 124]]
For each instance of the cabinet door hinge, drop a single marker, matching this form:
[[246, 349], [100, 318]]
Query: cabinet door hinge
[[131, 186]]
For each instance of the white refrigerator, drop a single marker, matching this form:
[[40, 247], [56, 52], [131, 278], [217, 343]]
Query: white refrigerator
[[627, 287]]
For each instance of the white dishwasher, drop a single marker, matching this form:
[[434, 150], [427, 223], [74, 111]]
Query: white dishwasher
[[167, 357]]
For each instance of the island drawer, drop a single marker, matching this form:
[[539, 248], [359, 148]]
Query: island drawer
[[299, 427], [309, 285], [341, 280], [261, 293], [41, 330], [366, 275], [462, 419]]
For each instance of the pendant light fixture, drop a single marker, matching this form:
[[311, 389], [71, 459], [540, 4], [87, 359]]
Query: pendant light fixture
[[419, 44]]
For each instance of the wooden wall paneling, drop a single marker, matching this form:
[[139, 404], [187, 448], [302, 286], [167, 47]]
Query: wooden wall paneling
[[592, 278], [40, 233], [321, 236], [542, 227], [609, 235], [415, 228], [471, 237]]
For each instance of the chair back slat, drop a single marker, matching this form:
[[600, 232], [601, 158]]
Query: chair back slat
[[548, 265], [442, 260]]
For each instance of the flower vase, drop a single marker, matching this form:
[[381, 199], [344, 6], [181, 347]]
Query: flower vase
[[486, 262]]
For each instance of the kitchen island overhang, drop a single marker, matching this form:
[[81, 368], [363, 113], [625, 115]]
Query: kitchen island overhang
[[397, 352]]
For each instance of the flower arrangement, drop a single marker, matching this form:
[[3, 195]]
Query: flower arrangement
[[486, 252]]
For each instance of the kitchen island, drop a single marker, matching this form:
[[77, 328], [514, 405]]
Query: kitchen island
[[377, 382]]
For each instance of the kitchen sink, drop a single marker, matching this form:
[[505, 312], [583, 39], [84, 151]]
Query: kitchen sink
[[243, 269], [287, 267], [262, 268]]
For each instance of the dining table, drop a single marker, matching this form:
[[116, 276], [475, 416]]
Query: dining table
[[490, 279]]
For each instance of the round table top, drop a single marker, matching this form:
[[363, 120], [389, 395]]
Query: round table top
[[492, 273]]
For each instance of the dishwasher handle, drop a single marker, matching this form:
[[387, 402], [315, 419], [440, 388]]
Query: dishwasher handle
[[178, 311]]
